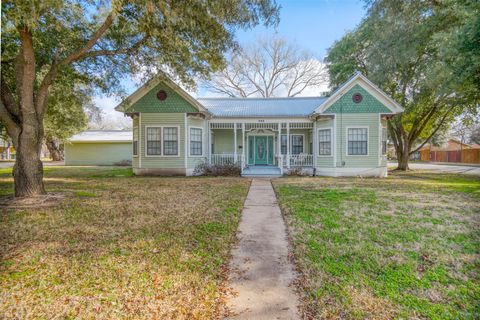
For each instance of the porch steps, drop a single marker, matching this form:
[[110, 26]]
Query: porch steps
[[261, 171]]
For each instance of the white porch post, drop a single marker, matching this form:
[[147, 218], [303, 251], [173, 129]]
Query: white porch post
[[288, 145], [209, 132], [235, 143], [314, 144], [279, 145], [243, 144]]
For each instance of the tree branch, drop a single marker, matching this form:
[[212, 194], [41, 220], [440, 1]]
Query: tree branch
[[434, 131]]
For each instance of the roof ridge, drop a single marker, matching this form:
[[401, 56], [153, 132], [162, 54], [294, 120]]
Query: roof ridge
[[107, 130], [260, 98]]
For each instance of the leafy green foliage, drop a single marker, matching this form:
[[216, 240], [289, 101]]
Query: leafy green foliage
[[417, 52]]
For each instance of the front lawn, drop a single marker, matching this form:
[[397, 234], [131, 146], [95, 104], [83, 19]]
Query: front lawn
[[404, 247], [119, 246]]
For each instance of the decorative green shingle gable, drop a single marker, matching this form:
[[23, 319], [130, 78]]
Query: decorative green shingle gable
[[174, 103], [369, 104]]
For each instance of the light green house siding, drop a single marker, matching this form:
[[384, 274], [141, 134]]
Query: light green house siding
[[162, 119], [369, 103], [174, 103], [345, 121], [326, 161], [97, 154]]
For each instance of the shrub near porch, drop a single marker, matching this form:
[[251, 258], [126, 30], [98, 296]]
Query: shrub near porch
[[402, 247], [119, 246]]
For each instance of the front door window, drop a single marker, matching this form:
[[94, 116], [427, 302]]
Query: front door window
[[260, 150]]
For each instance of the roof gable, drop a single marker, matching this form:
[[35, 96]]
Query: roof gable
[[370, 92], [369, 103], [145, 99]]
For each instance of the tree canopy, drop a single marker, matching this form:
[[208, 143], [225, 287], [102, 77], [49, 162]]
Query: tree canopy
[[416, 51], [102, 42]]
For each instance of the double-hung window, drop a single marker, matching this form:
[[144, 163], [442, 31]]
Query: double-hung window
[[283, 145], [297, 144], [196, 142], [357, 141], [325, 142], [154, 141], [384, 141], [135, 141], [170, 141]]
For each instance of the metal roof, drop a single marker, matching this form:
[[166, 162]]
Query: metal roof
[[103, 136], [262, 107]]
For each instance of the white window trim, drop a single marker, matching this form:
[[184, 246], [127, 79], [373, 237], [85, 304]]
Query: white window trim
[[189, 142], [331, 143], [161, 155], [138, 142], [368, 141]]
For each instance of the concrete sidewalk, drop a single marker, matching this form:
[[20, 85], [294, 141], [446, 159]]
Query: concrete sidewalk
[[261, 275]]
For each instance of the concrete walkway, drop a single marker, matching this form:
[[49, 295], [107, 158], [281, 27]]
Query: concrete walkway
[[261, 275]]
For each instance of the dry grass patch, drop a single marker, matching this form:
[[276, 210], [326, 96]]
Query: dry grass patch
[[119, 246], [402, 247]]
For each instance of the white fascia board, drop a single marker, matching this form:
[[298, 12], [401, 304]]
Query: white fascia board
[[366, 84]]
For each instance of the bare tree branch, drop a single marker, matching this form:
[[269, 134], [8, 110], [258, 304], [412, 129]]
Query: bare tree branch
[[269, 68]]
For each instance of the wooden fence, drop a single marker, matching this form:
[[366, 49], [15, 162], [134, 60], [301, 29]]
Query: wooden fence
[[458, 156]]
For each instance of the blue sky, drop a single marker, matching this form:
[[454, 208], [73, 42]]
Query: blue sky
[[311, 24]]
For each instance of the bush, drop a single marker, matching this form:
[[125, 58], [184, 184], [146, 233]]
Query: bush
[[215, 170]]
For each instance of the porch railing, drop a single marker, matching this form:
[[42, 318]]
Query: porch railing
[[301, 160], [227, 158]]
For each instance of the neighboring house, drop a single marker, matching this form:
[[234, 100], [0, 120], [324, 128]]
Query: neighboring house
[[452, 151], [450, 145], [99, 147], [340, 135]]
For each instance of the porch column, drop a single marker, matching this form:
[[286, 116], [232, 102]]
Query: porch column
[[243, 144], [209, 147], [288, 144], [279, 144], [235, 143], [314, 144]]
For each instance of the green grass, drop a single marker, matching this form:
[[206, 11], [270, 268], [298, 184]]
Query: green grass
[[119, 246], [402, 247]]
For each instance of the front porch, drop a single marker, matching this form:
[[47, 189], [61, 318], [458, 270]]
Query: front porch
[[262, 148]]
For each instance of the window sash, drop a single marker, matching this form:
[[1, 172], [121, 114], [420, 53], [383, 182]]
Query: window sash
[[170, 141], [325, 142], [357, 141], [135, 142], [135, 148], [283, 144], [384, 141], [196, 141], [154, 141], [297, 143]]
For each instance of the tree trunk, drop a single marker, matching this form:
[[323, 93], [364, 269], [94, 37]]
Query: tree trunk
[[28, 168], [54, 150], [403, 155], [403, 161]]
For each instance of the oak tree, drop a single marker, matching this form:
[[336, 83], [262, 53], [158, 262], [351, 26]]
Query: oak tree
[[104, 41]]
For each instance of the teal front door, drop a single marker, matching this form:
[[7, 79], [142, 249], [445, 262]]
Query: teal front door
[[260, 150]]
